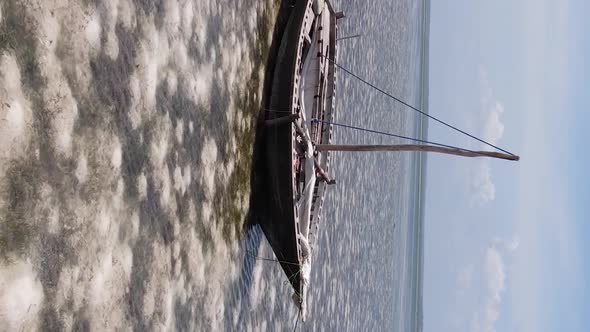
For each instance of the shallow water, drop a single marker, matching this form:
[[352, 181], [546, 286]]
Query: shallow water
[[128, 128]]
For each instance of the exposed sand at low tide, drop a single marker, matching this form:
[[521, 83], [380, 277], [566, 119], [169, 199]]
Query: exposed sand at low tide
[[126, 130]]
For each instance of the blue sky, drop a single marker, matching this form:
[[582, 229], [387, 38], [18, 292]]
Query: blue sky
[[505, 243]]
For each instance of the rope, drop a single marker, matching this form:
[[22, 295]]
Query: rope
[[270, 259], [416, 109], [297, 321], [251, 254], [292, 277], [393, 135], [289, 278]]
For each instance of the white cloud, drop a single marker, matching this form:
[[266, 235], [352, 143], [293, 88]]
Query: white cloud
[[482, 187], [493, 285], [495, 278], [505, 245], [491, 129]]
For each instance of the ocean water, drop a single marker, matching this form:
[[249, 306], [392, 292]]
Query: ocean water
[[375, 238], [128, 128]]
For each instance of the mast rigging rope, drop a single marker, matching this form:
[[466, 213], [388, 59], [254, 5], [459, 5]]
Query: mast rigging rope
[[414, 108], [393, 135]]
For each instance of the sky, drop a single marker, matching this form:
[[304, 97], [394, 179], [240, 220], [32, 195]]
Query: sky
[[505, 242]]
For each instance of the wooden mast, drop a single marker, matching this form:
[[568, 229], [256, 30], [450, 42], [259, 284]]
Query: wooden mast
[[418, 148]]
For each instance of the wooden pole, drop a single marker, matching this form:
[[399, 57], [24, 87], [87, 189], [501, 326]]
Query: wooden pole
[[418, 148]]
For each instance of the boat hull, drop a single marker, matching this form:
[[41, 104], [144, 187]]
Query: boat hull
[[281, 228]]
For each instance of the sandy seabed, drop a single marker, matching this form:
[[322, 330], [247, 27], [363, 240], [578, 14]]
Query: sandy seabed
[[126, 130]]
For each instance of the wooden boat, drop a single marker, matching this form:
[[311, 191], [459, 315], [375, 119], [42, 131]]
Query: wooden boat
[[303, 89], [299, 124]]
